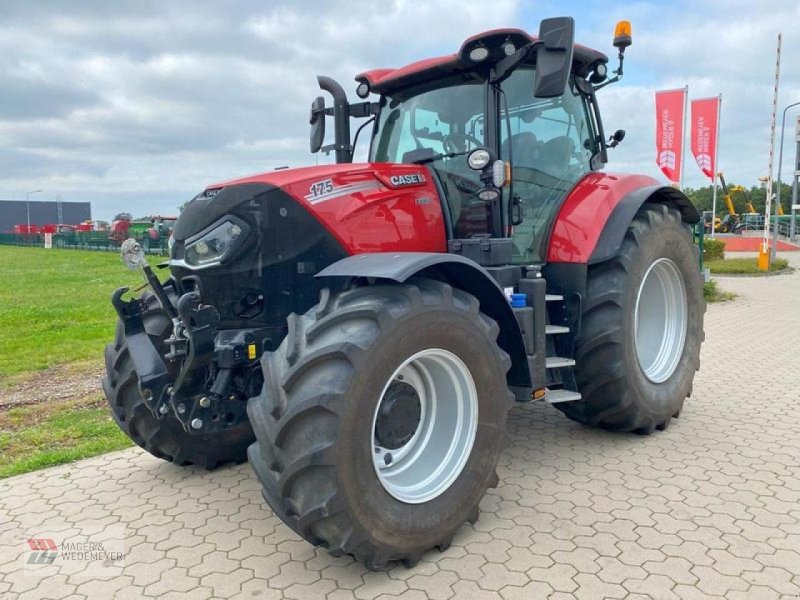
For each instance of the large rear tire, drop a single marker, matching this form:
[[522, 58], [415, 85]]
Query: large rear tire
[[163, 438], [641, 328], [361, 371]]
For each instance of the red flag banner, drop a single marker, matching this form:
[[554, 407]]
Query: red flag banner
[[704, 134], [669, 132]]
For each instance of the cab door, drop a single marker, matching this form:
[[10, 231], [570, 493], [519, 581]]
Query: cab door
[[549, 143]]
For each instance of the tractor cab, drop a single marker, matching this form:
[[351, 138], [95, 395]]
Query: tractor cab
[[528, 102], [547, 143]]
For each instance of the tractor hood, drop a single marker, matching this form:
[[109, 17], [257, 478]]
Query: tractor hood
[[253, 246], [333, 193]]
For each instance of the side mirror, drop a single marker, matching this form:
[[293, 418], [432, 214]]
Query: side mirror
[[615, 139], [317, 121], [554, 56]]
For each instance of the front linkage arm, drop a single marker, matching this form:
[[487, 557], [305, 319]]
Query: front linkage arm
[[201, 396], [148, 363]]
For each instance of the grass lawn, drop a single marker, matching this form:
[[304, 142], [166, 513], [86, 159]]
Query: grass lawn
[[742, 266], [55, 310], [45, 435], [55, 306]]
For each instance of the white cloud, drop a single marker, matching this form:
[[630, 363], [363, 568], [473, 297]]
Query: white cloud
[[147, 102], [713, 47]]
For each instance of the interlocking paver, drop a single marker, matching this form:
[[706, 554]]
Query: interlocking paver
[[707, 509]]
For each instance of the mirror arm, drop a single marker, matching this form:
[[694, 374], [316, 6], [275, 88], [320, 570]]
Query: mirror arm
[[504, 68], [364, 109]]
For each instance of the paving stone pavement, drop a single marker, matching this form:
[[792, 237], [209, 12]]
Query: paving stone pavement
[[709, 508]]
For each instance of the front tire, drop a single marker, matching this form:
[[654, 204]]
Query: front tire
[[315, 419], [641, 328], [163, 438]]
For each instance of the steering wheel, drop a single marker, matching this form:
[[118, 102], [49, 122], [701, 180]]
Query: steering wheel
[[452, 145]]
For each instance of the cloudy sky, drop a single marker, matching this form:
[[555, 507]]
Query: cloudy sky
[[139, 105]]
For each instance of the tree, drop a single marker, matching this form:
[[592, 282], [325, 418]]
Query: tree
[[123, 216]]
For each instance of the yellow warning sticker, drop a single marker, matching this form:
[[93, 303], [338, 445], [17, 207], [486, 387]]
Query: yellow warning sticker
[[251, 351]]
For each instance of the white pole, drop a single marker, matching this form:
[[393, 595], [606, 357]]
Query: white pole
[[768, 206], [795, 175], [683, 137], [715, 170]]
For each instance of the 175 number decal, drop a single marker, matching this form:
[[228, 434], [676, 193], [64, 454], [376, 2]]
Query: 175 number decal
[[320, 188]]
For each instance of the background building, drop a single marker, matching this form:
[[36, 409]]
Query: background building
[[12, 212]]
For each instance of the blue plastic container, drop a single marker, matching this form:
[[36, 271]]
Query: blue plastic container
[[519, 300]]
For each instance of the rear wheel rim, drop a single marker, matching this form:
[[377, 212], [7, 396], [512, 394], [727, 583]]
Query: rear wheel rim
[[428, 463], [661, 319]]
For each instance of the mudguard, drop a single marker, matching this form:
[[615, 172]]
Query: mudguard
[[593, 219], [459, 272]]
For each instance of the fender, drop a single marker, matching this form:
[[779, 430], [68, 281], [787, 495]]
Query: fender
[[594, 217], [459, 272]]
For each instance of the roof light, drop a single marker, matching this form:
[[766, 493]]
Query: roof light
[[362, 91], [509, 48], [599, 74], [479, 53]]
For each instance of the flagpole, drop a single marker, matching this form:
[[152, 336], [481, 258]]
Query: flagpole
[[683, 137], [715, 169]]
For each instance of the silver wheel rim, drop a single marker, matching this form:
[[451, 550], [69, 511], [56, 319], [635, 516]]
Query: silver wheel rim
[[431, 460], [661, 319]]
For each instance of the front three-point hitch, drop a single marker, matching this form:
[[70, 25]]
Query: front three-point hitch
[[205, 380]]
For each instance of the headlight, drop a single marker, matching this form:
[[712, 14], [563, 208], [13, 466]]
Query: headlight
[[478, 159], [214, 246]]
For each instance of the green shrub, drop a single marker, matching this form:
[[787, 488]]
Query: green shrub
[[713, 249]]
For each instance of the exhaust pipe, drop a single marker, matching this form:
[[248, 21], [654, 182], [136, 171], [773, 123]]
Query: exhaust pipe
[[341, 118]]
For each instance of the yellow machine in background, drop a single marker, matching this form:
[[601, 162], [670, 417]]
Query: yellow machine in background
[[748, 203], [732, 222]]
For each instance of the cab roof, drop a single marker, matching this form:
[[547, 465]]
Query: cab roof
[[384, 81]]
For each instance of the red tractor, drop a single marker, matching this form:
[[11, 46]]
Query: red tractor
[[360, 331], [23, 229], [150, 231]]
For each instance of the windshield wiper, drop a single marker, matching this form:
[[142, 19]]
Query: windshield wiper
[[440, 155]]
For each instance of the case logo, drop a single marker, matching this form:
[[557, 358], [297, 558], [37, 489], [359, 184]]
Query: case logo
[[410, 179]]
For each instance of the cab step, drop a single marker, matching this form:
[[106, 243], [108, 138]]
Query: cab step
[[559, 362], [555, 329], [553, 297], [556, 396]]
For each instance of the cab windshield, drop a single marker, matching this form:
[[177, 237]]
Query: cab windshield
[[448, 122]]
